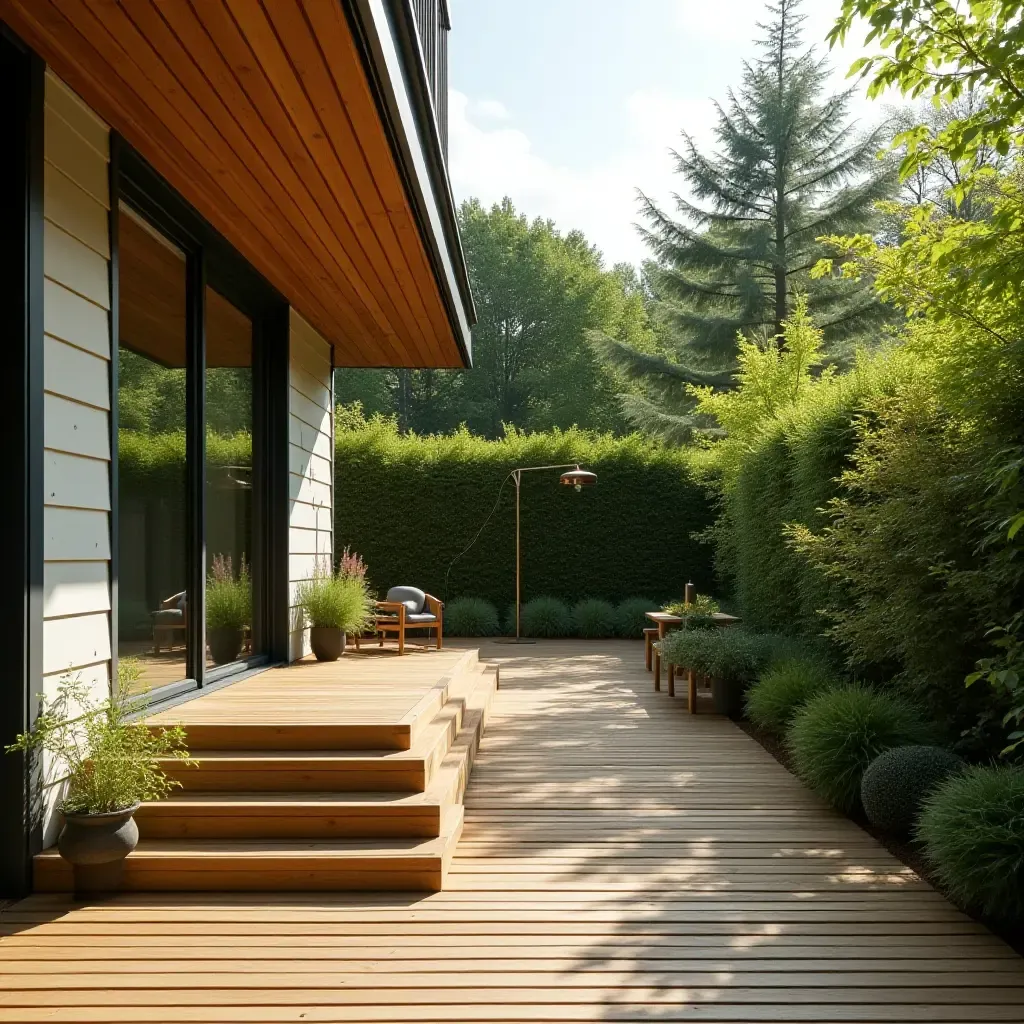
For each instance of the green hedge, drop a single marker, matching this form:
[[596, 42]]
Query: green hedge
[[411, 504]]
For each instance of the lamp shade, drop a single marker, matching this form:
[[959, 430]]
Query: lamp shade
[[578, 478]]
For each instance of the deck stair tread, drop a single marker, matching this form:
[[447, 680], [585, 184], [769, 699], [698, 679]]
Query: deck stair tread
[[387, 820]]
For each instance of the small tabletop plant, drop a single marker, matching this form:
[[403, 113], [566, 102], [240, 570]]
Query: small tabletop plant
[[109, 761], [698, 614]]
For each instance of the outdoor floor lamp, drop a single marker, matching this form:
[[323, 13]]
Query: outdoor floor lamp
[[573, 477]]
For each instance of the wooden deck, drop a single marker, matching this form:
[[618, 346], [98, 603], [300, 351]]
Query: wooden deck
[[621, 861], [371, 698]]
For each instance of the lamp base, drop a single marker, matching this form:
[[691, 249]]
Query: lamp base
[[514, 640]]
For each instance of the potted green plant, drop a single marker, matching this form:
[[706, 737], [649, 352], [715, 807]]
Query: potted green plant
[[228, 609], [335, 605], [109, 762]]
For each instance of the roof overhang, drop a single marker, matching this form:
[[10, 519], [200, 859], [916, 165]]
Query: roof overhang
[[303, 132]]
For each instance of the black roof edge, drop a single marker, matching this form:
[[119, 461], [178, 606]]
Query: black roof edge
[[385, 34]]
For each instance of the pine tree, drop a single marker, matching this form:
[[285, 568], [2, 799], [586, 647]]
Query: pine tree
[[789, 168]]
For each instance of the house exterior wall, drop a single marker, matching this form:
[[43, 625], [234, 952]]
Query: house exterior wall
[[310, 467], [76, 398]]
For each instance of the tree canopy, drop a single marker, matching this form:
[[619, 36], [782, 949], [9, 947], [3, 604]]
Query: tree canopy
[[538, 293]]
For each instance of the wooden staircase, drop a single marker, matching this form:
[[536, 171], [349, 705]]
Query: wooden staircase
[[313, 808]]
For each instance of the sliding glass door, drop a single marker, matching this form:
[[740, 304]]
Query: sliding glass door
[[190, 579]]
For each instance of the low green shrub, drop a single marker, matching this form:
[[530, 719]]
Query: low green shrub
[[593, 619], [777, 696], [897, 782], [544, 617], [471, 616], [228, 597], [837, 734], [631, 617], [702, 605], [729, 654], [972, 827]]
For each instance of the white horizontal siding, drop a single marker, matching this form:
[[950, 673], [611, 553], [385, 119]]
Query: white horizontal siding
[[76, 403], [310, 465]]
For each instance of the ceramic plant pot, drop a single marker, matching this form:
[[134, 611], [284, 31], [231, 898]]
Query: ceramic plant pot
[[327, 642], [225, 645], [96, 845]]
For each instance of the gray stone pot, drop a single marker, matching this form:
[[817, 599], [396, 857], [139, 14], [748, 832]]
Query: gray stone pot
[[327, 642], [96, 845]]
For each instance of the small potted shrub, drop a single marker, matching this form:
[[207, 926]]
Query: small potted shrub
[[731, 658], [698, 614], [228, 609], [110, 761], [335, 606]]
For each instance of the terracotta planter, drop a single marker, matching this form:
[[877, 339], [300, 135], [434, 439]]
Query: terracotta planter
[[225, 645], [327, 642], [96, 845]]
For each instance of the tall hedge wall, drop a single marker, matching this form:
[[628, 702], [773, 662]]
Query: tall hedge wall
[[411, 504]]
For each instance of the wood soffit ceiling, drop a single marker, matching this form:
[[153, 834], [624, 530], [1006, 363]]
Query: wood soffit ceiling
[[261, 116]]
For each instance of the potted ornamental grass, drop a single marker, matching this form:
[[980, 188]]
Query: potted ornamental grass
[[336, 605], [228, 609], [109, 762]]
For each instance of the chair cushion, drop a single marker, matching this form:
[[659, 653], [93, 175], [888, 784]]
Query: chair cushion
[[412, 598], [169, 617], [420, 617]]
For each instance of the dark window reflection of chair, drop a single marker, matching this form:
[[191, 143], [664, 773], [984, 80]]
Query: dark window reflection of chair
[[170, 623]]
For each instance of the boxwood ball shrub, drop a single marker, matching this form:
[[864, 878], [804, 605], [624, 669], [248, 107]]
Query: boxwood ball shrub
[[631, 617], [972, 827], [837, 734], [593, 619], [897, 782], [544, 617], [471, 616], [787, 685]]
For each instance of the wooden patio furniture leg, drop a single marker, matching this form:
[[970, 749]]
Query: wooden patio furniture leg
[[401, 631], [657, 669], [648, 650], [691, 686], [671, 679]]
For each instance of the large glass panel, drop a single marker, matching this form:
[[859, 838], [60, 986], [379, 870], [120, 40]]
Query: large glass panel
[[229, 482], [152, 490]]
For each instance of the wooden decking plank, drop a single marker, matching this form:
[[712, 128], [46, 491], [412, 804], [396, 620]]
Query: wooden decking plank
[[621, 860]]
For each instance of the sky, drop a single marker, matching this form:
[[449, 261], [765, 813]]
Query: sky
[[569, 106]]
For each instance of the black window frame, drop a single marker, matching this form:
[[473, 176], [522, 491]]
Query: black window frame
[[212, 262]]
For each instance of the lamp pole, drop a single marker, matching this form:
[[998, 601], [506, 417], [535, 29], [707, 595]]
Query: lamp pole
[[578, 478]]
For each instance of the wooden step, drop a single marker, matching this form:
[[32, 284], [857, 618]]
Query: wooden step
[[322, 815], [277, 865], [293, 832], [402, 771], [366, 736]]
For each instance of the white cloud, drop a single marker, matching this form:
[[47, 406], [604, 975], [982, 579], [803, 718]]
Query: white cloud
[[491, 162], [494, 109]]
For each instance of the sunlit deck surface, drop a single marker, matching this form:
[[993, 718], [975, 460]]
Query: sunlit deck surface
[[372, 686], [621, 860]]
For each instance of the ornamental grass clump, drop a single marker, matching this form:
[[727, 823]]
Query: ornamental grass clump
[[593, 619], [333, 601], [544, 617], [471, 616], [780, 693], [972, 827], [631, 617], [228, 597], [837, 734], [110, 758]]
